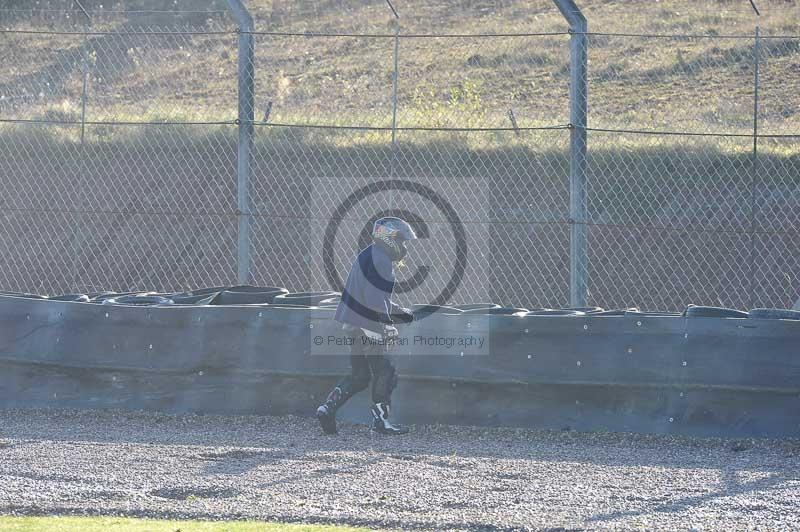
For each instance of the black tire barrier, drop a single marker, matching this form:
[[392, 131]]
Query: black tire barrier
[[693, 311], [250, 296], [138, 300], [498, 311], [109, 295], [291, 306], [94, 295], [612, 312], [774, 314], [310, 299], [246, 288], [616, 312], [330, 302], [208, 291], [199, 299], [22, 295], [169, 295], [402, 319], [554, 312], [77, 298], [586, 310], [424, 310], [644, 313], [475, 306]]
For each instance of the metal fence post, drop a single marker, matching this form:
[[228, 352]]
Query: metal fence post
[[756, 64], [395, 79], [246, 87], [395, 72], [80, 226], [753, 173], [578, 98], [84, 66]]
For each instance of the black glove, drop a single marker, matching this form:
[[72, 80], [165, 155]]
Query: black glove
[[402, 315], [390, 332], [390, 335]]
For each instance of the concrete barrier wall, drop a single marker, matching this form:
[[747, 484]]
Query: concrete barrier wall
[[696, 376]]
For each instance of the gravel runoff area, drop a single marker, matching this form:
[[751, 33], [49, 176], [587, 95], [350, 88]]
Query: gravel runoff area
[[438, 477]]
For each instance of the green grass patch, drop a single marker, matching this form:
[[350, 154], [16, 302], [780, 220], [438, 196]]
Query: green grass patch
[[115, 524]]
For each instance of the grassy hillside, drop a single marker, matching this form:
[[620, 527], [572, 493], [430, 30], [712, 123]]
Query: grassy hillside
[[695, 84]]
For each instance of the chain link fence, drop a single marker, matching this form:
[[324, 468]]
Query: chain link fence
[[120, 140]]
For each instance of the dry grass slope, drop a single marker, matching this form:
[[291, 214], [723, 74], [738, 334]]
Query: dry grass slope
[[698, 84]]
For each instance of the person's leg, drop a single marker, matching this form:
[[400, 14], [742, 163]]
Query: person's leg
[[346, 388], [384, 381], [384, 376]]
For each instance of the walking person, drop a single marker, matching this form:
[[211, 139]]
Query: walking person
[[368, 317]]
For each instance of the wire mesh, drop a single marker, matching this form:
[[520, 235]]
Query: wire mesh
[[120, 148]]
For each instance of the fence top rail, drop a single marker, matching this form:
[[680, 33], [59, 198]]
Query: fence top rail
[[688, 133], [748, 36], [273, 124], [357, 127], [143, 31], [113, 11], [406, 35], [409, 128], [117, 122]]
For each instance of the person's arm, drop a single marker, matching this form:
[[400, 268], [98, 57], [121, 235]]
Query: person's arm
[[397, 314], [379, 287], [401, 314]]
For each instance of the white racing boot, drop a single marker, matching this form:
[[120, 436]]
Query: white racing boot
[[380, 421]]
